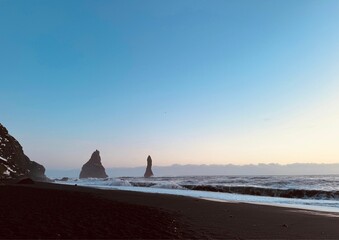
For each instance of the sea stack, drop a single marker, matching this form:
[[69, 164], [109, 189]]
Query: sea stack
[[14, 164], [148, 172], [93, 168]]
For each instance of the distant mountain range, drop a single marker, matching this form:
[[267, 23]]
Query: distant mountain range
[[230, 169]]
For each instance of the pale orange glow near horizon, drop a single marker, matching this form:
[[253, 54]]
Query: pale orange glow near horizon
[[308, 136]]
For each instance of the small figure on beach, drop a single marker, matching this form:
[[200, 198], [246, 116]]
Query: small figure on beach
[[148, 172]]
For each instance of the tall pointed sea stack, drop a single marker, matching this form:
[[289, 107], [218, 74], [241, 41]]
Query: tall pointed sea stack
[[148, 172], [93, 168], [13, 161]]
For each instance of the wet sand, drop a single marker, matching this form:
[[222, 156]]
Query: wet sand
[[52, 211]]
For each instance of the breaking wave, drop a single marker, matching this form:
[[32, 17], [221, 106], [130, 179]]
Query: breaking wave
[[306, 192], [269, 192]]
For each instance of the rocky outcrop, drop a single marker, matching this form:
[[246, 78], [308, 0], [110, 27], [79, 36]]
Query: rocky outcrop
[[148, 172], [25, 181], [14, 163], [93, 168]]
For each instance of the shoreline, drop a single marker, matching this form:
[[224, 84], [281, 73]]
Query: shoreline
[[85, 212], [293, 203]]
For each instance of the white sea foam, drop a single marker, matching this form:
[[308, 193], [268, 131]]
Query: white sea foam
[[168, 185], [119, 182], [173, 186]]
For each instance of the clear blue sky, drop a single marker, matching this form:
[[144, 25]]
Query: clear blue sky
[[196, 81]]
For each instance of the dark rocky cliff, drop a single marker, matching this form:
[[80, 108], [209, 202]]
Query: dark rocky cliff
[[148, 172], [93, 168], [14, 163]]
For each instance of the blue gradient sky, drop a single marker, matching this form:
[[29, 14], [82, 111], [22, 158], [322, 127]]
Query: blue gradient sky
[[197, 82]]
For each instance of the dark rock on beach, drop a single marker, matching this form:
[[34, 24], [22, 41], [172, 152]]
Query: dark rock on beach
[[14, 164], [25, 181], [148, 172], [93, 168]]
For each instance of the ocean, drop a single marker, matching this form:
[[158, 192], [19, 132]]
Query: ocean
[[320, 193]]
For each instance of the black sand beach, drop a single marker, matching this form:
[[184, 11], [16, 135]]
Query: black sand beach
[[51, 211]]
